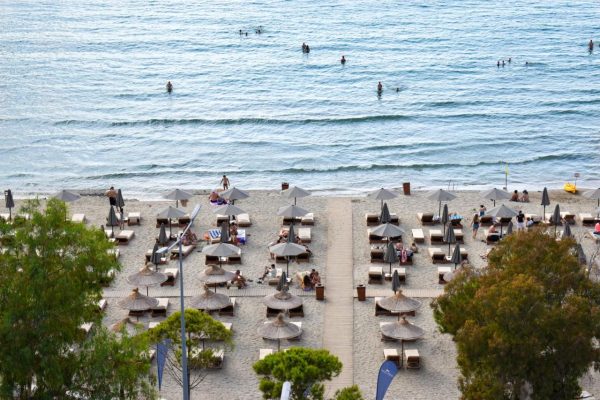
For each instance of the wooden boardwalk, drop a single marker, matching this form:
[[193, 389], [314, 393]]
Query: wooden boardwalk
[[338, 321]]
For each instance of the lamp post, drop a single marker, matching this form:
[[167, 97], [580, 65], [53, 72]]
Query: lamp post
[[184, 364]]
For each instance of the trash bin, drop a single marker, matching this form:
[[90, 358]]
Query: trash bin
[[285, 185], [320, 292], [361, 290], [406, 188]]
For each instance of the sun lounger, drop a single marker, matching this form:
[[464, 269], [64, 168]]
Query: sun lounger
[[305, 235], [303, 258], [108, 278], [441, 272], [587, 219], [486, 220], [230, 309], [243, 220], [79, 218], [153, 324], [114, 252], [102, 303], [568, 217], [595, 238], [376, 275], [401, 274], [274, 280], [163, 258], [436, 236], [161, 307], [221, 218], [377, 255], [241, 236], [491, 238], [184, 221], [109, 233], [124, 237], [185, 251], [456, 222], [289, 220], [86, 328], [391, 355], [218, 357], [308, 219], [213, 236], [172, 275], [413, 360], [534, 217], [426, 218], [418, 235], [262, 353], [372, 219], [160, 221], [437, 255], [134, 218]]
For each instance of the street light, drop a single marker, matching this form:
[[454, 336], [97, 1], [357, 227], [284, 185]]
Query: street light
[[178, 242]]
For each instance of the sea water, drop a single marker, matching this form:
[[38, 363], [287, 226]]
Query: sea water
[[83, 103]]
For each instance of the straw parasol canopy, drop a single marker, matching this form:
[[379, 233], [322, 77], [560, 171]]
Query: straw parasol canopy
[[402, 330], [590, 194], [387, 230], [382, 194], [282, 300], [279, 329], [234, 194], [495, 194], [295, 192], [137, 302], [177, 195], [440, 195], [126, 323], [170, 213], [390, 256], [385, 216], [9, 202], [67, 196], [292, 211], [210, 300], [146, 277], [214, 274], [399, 303]]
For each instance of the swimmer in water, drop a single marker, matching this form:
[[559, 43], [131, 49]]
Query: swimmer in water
[[591, 45], [240, 32], [503, 63], [379, 87], [509, 60], [343, 60], [169, 87], [397, 89], [304, 47], [498, 64], [307, 49]]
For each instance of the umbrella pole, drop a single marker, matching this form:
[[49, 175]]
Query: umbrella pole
[[278, 345], [287, 266], [440, 210], [402, 353], [146, 290]]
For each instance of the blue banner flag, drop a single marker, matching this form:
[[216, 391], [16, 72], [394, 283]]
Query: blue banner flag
[[387, 372], [162, 348]]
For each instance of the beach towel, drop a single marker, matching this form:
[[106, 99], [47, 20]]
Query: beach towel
[[404, 256], [214, 233]]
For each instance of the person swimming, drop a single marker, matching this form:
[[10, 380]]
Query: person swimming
[[343, 60], [307, 49], [498, 64], [379, 87], [169, 87], [304, 47], [397, 89], [591, 45]]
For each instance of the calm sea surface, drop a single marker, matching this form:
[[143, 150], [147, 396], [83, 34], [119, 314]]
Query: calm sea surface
[[83, 102]]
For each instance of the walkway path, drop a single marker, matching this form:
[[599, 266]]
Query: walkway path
[[339, 309]]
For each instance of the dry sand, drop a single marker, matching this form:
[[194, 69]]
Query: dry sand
[[438, 375]]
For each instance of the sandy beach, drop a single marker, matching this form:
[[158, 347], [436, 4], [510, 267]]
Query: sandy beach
[[437, 378]]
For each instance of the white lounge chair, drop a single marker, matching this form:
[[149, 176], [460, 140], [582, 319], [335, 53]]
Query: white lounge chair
[[79, 218], [418, 235], [124, 237]]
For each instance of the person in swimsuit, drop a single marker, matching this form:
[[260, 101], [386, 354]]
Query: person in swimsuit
[[225, 182], [343, 60], [112, 196], [379, 87], [169, 87], [475, 225], [591, 45]]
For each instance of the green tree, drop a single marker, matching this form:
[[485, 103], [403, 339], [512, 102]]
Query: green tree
[[349, 393], [304, 368], [114, 366], [200, 328], [49, 286], [526, 324]]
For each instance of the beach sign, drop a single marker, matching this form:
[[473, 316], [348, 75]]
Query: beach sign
[[162, 348], [387, 372]]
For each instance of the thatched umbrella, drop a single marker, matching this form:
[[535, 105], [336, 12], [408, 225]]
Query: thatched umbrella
[[283, 299], [147, 277], [382, 194], [214, 274], [440, 195], [170, 213], [402, 330], [138, 302], [112, 219], [295, 192], [545, 202], [495, 194], [399, 303], [234, 194], [279, 329], [210, 300], [9, 202], [390, 256], [177, 195]]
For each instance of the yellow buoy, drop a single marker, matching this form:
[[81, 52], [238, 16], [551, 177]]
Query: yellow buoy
[[570, 187]]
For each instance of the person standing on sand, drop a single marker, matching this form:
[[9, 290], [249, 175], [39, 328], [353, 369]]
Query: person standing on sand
[[475, 225], [225, 182], [112, 196]]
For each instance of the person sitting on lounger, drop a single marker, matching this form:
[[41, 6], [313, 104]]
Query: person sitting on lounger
[[215, 199], [515, 196], [239, 280], [306, 283], [315, 278], [529, 223], [189, 239], [492, 230], [414, 247]]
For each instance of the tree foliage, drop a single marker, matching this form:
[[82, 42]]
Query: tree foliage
[[200, 328], [50, 285], [304, 368], [349, 393], [526, 324]]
